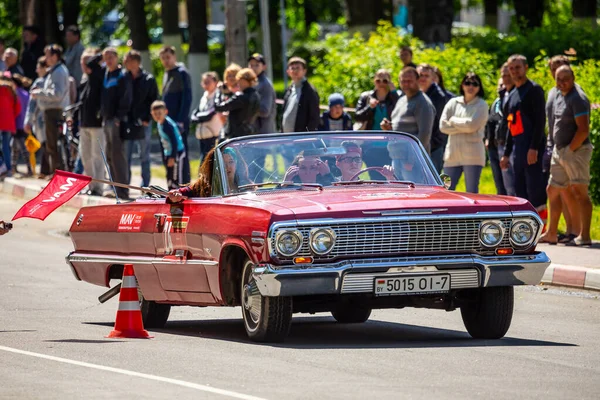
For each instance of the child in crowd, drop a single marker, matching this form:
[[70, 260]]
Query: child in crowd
[[336, 119], [172, 143], [22, 85]]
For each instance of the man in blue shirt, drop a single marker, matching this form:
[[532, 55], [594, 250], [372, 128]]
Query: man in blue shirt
[[177, 95], [172, 144]]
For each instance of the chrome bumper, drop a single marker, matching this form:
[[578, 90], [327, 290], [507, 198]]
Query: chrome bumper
[[357, 276]]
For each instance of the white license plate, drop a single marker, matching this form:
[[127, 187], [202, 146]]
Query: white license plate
[[412, 284]]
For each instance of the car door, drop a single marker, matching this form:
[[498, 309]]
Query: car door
[[180, 261]]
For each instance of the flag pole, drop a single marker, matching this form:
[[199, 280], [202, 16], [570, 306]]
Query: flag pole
[[111, 182], [125, 186]]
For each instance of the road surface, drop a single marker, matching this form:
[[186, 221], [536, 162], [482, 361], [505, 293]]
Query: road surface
[[52, 343]]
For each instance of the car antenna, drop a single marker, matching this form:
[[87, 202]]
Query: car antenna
[[108, 171]]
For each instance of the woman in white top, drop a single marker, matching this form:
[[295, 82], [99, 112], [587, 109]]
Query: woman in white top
[[463, 120], [209, 122]]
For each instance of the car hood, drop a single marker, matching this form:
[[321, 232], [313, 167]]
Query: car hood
[[352, 202]]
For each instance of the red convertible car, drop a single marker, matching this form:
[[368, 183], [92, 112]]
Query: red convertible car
[[339, 222]]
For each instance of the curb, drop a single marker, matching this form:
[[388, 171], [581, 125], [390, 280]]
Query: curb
[[568, 275], [20, 189]]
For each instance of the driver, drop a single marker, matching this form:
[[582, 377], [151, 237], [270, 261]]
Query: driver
[[309, 169], [351, 162]]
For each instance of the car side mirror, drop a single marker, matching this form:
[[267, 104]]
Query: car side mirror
[[447, 180]]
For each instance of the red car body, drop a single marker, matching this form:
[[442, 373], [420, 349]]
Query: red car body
[[189, 253]]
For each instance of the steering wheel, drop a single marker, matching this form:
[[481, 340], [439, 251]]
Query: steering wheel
[[379, 170]]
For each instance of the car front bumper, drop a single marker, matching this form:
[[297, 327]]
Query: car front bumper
[[357, 276]]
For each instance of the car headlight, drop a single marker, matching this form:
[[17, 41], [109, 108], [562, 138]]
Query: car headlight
[[322, 240], [522, 232], [491, 233], [288, 243]]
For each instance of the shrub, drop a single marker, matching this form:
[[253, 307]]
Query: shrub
[[350, 63]]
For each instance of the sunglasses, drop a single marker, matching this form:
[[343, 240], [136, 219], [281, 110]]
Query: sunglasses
[[349, 160], [384, 81], [471, 83]]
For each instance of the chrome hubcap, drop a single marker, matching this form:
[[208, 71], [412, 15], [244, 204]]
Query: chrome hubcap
[[252, 301]]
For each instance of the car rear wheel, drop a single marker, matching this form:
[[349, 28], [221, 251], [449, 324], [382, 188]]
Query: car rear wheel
[[266, 319], [154, 315], [490, 314], [351, 314]]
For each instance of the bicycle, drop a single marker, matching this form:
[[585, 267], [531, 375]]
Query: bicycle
[[68, 140]]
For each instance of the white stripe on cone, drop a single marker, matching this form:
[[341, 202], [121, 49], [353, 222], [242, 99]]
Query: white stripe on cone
[[129, 282], [129, 306]]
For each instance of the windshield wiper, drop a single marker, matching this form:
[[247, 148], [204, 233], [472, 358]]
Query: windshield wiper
[[282, 184], [361, 181]]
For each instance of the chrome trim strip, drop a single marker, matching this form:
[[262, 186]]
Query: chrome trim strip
[[386, 213], [120, 259]]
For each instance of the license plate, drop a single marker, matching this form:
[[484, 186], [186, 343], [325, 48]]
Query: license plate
[[412, 284]]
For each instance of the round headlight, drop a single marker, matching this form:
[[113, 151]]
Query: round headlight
[[522, 232], [491, 233], [288, 243], [322, 240]]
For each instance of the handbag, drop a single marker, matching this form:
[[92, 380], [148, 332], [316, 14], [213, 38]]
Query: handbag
[[204, 131]]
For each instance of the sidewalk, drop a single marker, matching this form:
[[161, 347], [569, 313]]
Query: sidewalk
[[585, 274]]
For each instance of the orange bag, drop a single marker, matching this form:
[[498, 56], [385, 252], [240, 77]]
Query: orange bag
[[515, 123]]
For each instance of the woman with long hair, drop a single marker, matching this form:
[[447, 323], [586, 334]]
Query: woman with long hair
[[235, 169], [463, 120], [243, 106]]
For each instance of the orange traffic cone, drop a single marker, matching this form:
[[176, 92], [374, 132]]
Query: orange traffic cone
[[129, 316]]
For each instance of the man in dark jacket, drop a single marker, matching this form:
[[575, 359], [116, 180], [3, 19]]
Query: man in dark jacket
[[526, 115], [145, 92], [91, 135], [265, 123], [177, 95], [116, 103], [439, 100], [33, 48], [301, 100]]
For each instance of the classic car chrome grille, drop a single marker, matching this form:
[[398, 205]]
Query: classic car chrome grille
[[403, 237], [363, 283]]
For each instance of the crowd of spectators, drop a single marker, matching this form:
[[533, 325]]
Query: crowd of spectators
[[119, 101]]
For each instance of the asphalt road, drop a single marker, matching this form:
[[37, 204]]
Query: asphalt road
[[52, 344]]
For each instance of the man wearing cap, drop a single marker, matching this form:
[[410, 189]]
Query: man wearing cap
[[335, 119], [349, 163], [33, 48], [265, 123], [301, 100]]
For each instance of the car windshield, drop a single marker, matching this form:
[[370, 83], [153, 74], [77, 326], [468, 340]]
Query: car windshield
[[324, 159]]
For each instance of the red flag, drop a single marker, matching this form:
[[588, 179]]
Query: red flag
[[63, 186]]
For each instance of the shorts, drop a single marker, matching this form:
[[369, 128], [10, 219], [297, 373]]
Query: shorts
[[571, 167]]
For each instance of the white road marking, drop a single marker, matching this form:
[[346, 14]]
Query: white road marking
[[178, 382]]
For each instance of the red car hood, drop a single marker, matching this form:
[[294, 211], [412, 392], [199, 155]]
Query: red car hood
[[350, 202]]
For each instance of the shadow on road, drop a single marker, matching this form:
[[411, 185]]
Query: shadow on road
[[325, 333]]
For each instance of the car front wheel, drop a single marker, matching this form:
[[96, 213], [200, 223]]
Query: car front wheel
[[266, 319], [489, 315]]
